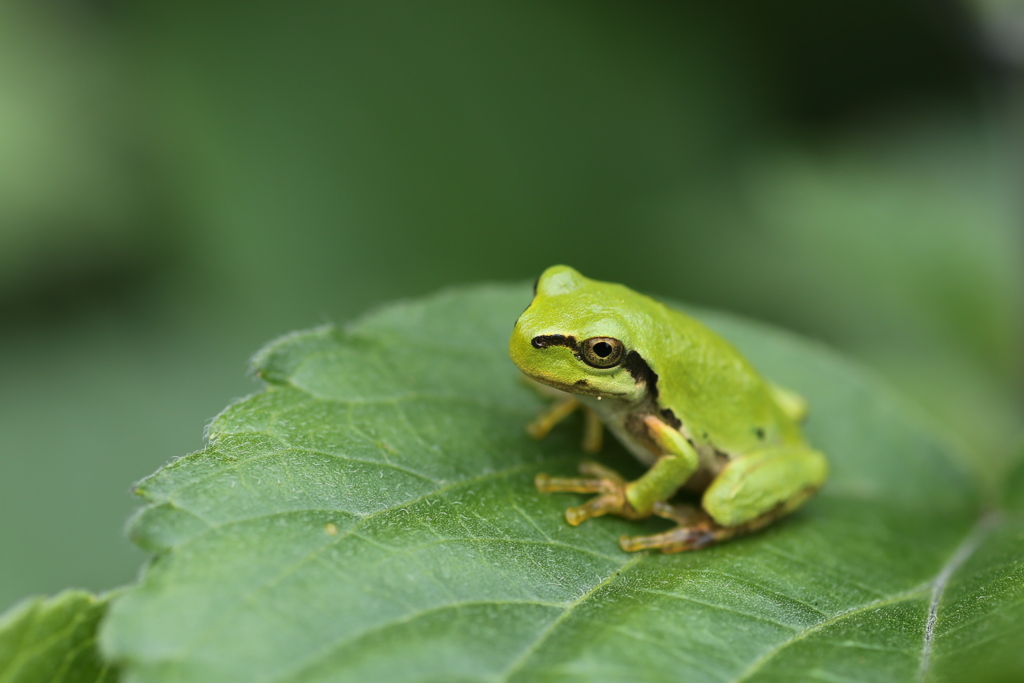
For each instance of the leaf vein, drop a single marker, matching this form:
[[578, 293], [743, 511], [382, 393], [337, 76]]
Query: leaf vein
[[759, 663], [972, 541], [313, 555], [724, 608], [553, 626], [405, 619]]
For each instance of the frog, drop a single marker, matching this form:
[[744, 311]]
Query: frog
[[683, 400]]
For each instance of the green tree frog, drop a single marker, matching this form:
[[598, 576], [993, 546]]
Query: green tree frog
[[679, 397]]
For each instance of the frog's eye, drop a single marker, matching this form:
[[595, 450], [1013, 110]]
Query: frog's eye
[[601, 352]]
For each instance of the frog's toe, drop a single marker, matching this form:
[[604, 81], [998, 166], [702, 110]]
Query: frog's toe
[[608, 503], [597, 479], [547, 484], [677, 540], [681, 514]]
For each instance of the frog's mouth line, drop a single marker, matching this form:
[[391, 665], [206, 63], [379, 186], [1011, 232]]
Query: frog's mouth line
[[580, 387]]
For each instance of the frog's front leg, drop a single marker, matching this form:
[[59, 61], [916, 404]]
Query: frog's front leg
[[632, 500], [749, 494], [563, 407]]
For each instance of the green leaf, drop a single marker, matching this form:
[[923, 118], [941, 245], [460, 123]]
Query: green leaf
[[53, 640], [1015, 485], [371, 515]]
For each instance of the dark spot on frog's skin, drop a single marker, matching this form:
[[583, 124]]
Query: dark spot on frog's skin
[[545, 341], [671, 419], [760, 432], [582, 382]]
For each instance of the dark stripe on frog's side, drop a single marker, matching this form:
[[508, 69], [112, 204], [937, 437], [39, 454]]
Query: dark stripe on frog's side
[[671, 419], [642, 372]]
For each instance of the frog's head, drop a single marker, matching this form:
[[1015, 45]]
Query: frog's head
[[578, 336]]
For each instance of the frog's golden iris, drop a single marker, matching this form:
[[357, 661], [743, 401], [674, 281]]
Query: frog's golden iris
[[602, 352]]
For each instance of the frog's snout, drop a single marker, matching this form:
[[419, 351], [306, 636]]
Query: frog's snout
[[519, 348]]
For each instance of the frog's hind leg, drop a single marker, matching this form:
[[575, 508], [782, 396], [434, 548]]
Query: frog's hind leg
[[793, 404], [756, 484], [698, 531], [748, 495]]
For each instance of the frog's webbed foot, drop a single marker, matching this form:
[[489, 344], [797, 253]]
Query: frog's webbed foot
[[606, 482]]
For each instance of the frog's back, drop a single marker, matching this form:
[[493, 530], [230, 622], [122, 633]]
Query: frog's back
[[712, 389]]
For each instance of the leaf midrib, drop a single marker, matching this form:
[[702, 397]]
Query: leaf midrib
[[971, 542]]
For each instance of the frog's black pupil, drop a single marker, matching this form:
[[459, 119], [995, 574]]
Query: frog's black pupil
[[603, 349]]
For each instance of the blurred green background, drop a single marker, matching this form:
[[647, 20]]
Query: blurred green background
[[181, 182]]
